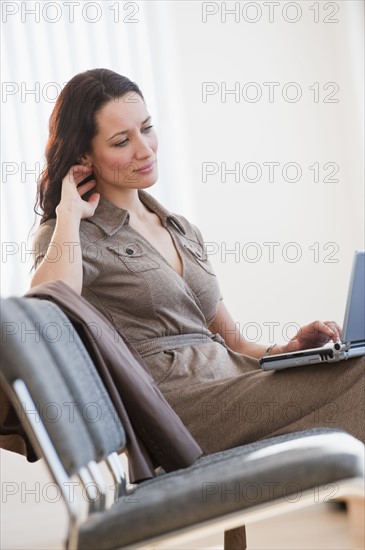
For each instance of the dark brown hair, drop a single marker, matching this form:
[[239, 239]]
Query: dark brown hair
[[72, 126]]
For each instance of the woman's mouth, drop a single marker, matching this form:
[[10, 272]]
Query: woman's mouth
[[146, 168]]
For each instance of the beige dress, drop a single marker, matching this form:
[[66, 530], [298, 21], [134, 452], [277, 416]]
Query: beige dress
[[222, 396]]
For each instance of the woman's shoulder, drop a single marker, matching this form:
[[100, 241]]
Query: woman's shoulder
[[186, 227], [191, 230], [45, 230]]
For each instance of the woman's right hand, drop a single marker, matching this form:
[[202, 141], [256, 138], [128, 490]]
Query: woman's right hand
[[71, 194]]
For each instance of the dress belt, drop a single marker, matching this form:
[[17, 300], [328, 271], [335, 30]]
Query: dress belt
[[155, 345]]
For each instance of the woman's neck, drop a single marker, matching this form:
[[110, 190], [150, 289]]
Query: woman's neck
[[128, 199]]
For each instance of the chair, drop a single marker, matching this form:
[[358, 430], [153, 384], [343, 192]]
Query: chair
[[219, 492]]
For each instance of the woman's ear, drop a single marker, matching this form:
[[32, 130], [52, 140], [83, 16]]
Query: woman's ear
[[84, 160]]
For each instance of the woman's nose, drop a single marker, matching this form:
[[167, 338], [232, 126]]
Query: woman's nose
[[143, 148]]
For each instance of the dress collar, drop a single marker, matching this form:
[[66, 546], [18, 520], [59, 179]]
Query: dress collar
[[110, 217]]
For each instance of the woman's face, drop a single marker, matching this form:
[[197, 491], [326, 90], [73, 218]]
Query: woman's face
[[123, 153]]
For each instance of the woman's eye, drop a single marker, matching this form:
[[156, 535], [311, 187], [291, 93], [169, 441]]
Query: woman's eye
[[121, 143]]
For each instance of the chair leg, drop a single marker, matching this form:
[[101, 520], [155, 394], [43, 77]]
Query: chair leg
[[235, 539]]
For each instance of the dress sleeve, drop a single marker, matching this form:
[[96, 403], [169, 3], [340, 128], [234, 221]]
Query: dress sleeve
[[41, 241], [90, 252], [202, 243]]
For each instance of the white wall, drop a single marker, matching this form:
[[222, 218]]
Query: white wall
[[171, 52], [235, 213]]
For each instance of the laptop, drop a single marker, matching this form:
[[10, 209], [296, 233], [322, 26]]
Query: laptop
[[353, 330]]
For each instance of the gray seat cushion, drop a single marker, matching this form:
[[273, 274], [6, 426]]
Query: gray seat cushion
[[25, 356], [219, 484], [79, 373]]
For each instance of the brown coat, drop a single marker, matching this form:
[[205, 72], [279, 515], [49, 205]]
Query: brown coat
[[155, 434]]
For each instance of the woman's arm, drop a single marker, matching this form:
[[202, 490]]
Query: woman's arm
[[313, 335], [63, 259], [225, 325]]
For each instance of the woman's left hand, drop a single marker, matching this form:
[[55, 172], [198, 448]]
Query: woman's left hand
[[314, 335]]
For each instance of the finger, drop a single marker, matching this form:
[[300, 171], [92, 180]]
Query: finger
[[81, 167], [332, 332], [328, 330], [94, 200], [91, 205], [339, 329], [79, 171], [82, 188], [336, 329]]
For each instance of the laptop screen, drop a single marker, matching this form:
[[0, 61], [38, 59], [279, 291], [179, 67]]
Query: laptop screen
[[354, 322]]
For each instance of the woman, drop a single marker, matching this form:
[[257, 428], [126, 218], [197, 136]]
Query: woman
[[147, 271]]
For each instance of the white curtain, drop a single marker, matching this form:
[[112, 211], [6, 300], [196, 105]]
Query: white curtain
[[44, 44]]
